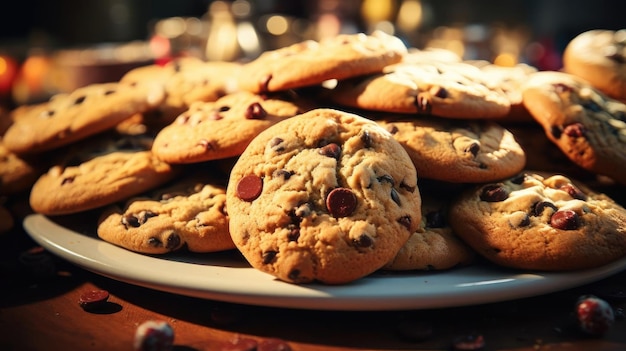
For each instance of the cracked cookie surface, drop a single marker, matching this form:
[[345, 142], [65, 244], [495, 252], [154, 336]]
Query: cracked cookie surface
[[190, 213], [324, 196], [587, 125], [310, 62], [540, 222], [445, 89], [98, 172], [86, 111], [456, 150], [220, 129]]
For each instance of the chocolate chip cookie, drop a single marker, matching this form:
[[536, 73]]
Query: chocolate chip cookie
[[324, 196], [433, 246], [459, 151], [67, 118], [99, 172], [310, 62], [190, 213], [444, 89], [599, 57], [588, 126], [220, 129], [544, 222]]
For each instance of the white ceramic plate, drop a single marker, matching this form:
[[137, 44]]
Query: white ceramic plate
[[228, 277]]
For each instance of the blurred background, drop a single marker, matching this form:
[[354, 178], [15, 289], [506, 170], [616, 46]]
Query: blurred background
[[47, 47]]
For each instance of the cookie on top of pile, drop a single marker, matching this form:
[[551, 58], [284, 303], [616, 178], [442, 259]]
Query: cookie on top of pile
[[411, 160]]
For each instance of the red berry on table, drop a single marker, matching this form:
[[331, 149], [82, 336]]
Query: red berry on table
[[154, 336], [595, 315]]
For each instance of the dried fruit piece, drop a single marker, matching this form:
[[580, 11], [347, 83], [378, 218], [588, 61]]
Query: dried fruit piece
[[154, 336], [595, 315], [93, 299]]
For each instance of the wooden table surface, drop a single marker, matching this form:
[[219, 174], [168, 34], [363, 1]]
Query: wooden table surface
[[39, 310]]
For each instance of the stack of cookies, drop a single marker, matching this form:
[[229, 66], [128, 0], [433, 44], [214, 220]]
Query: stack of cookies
[[328, 161]]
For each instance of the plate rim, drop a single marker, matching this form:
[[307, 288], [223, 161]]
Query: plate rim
[[270, 292]]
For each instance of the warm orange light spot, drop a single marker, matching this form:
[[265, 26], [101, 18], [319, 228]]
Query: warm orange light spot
[[505, 59]]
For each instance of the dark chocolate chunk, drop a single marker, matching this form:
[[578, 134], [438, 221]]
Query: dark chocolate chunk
[[341, 202], [493, 193], [565, 220], [249, 187]]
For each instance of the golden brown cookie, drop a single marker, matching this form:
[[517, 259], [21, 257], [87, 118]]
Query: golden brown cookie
[[588, 126], [310, 63], [100, 173], [17, 173], [540, 222], [599, 57], [324, 196], [458, 151], [67, 118], [220, 129], [510, 80], [189, 213], [444, 89], [433, 246]]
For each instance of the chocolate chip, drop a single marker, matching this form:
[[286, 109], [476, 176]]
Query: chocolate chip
[[294, 274], [493, 193], [556, 131], [363, 241], [575, 130], [392, 128], [405, 221], [93, 299], [249, 187], [518, 179], [173, 241], [473, 148], [341, 202], [255, 111], [331, 150], [386, 179], [573, 192], [268, 256], [275, 144], [79, 100], [366, 138], [565, 220], [283, 173], [439, 92], [154, 242], [109, 92], [294, 234], [540, 206], [137, 219], [435, 219], [395, 197]]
